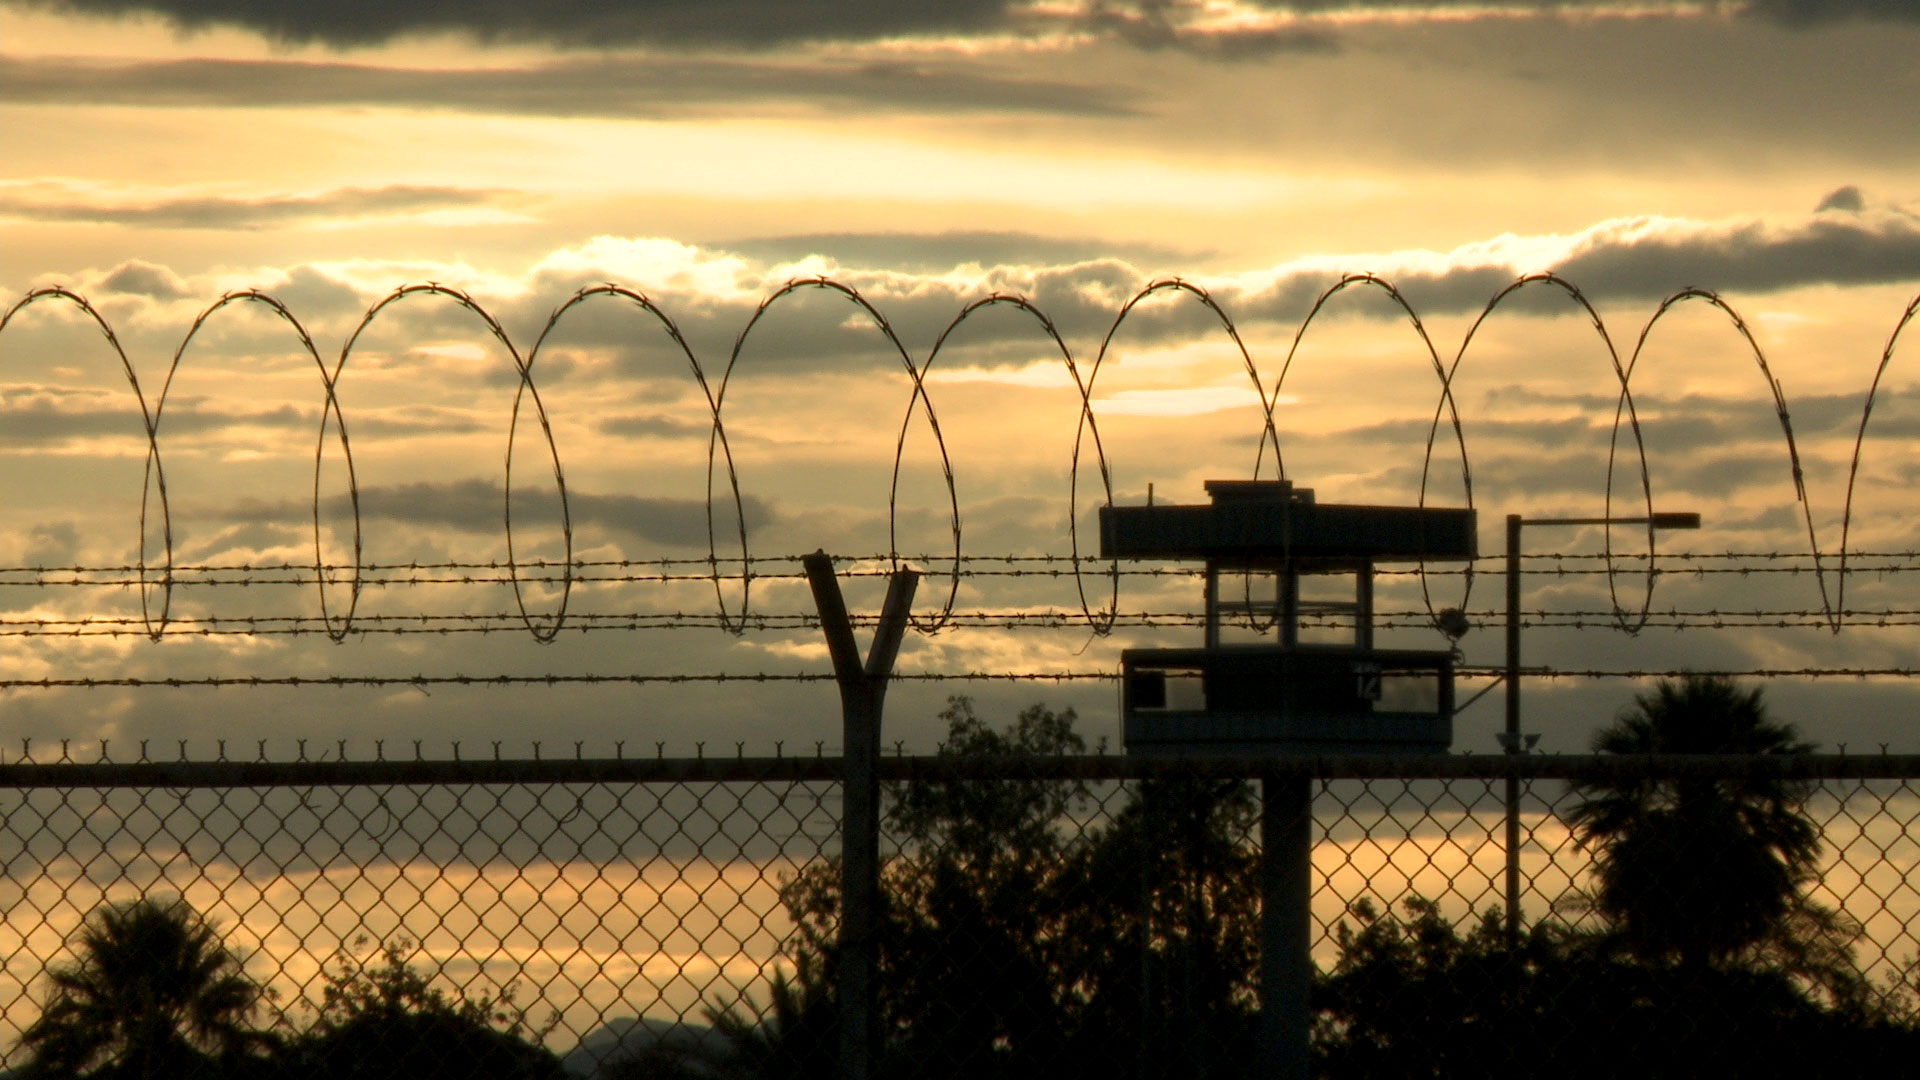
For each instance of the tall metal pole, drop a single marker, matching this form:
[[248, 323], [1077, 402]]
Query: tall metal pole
[[863, 690], [1512, 740]]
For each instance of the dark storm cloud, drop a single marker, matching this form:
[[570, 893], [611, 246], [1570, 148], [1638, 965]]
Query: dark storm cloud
[[571, 23], [577, 86], [213, 212]]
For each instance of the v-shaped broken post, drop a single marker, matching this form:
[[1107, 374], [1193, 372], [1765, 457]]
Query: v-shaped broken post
[[863, 689]]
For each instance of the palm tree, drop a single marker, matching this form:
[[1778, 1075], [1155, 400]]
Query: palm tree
[[154, 993], [1698, 867]]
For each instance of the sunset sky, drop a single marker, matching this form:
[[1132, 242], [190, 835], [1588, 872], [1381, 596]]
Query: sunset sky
[[156, 154]]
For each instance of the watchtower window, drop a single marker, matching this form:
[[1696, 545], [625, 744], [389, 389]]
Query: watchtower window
[[1335, 608], [1307, 606], [1251, 606]]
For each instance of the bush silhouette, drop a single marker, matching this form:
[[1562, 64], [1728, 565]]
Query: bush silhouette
[[385, 1021]]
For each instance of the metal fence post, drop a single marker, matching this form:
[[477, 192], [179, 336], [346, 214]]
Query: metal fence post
[[863, 690], [1286, 930], [1512, 731]]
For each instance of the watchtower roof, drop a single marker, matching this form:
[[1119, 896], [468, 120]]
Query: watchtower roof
[[1268, 521]]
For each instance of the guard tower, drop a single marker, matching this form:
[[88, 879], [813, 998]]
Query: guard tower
[[1275, 692]]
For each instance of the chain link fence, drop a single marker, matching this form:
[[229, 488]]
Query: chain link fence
[[1066, 915]]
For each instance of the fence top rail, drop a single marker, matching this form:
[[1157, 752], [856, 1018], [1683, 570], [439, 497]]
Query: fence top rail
[[665, 770]]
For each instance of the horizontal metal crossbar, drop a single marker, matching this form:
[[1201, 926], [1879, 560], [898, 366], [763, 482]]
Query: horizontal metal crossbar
[[1098, 767]]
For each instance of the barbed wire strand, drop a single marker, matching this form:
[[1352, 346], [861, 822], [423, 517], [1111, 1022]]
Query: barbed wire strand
[[544, 627], [680, 678]]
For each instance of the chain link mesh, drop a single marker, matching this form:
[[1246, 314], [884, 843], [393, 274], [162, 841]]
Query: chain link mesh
[[1068, 916]]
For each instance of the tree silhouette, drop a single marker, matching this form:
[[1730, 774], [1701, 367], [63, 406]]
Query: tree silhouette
[[1018, 938], [1163, 930], [1041, 928], [154, 993], [1699, 868], [1411, 995], [968, 957], [970, 914]]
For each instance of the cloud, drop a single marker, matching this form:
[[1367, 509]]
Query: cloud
[[648, 86], [1255, 28], [1846, 199], [1789, 12], [935, 252], [714, 290], [1624, 259], [145, 279], [569, 23], [31, 420], [752, 24], [465, 505], [1817, 12], [1153, 25], [313, 293], [227, 212], [415, 420], [636, 426], [478, 506], [52, 544], [1629, 258], [681, 522], [1752, 256]]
